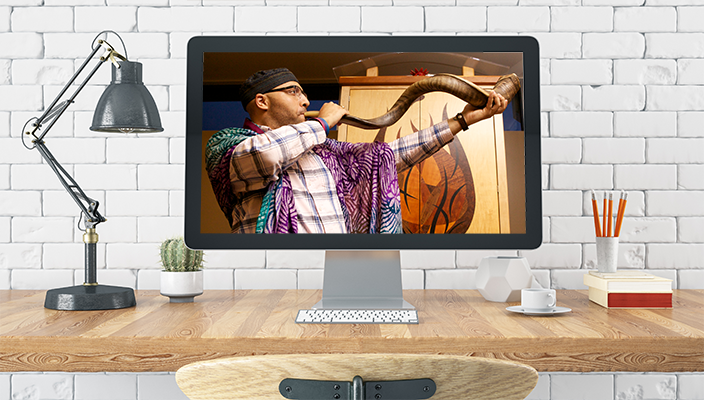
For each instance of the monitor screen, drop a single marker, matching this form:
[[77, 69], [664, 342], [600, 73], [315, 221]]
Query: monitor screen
[[398, 171]]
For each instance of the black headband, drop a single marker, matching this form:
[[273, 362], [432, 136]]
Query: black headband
[[262, 82]]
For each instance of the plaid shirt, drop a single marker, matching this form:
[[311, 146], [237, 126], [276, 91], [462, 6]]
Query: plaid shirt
[[261, 159]]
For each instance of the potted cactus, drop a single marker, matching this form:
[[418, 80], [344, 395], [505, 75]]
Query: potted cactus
[[182, 276]]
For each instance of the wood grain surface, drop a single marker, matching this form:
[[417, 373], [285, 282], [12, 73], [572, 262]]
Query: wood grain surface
[[259, 377], [160, 336]]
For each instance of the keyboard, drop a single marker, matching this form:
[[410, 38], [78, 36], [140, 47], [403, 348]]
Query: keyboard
[[357, 317]]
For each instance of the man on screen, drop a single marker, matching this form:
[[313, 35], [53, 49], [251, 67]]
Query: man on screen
[[280, 173]]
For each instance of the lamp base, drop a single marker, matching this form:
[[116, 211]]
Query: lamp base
[[87, 298]]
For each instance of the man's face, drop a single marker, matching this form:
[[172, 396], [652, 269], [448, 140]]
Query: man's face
[[287, 106]]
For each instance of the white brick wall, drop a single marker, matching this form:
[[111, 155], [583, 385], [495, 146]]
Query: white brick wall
[[622, 109]]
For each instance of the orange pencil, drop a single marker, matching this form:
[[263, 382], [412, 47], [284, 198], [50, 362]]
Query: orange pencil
[[603, 228], [596, 215], [611, 208], [621, 212]]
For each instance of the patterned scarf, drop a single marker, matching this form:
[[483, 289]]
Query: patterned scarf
[[365, 177]]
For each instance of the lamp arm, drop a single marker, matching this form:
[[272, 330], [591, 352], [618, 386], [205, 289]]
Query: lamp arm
[[88, 206]]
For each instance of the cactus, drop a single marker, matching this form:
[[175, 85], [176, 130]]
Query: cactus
[[176, 257]]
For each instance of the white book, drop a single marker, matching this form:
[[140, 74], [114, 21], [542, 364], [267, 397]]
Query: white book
[[628, 284]]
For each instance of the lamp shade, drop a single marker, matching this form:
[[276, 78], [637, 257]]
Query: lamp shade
[[126, 105]]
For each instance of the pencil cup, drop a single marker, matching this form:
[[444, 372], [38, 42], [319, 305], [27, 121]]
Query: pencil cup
[[606, 253]]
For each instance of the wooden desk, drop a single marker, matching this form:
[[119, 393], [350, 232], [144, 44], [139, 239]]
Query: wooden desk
[[160, 336]]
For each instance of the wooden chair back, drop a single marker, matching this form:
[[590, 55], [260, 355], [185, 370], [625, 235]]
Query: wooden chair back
[[259, 377]]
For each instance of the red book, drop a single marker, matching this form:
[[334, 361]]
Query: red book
[[630, 300]]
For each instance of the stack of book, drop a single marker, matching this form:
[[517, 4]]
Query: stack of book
[[629, 289]]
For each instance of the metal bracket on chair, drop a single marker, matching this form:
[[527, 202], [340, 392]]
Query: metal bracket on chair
[[304, 389]]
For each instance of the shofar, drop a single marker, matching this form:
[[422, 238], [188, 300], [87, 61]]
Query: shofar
[[507, 86]]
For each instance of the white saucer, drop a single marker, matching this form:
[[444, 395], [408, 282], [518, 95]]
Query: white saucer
[[539, 311]]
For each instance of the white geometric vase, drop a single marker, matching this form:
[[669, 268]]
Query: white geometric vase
[[181, 287], [501, 279]]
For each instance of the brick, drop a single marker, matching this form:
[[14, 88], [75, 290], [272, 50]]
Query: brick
[[74, 3], [672, 2], [218, 279], [560, 98], [614, 97], [630, 256], [164, 71], [44, 229], [107, 176], [562, 203], [35, 177], [140, 150], [148, 279], [4, 122], [133, 256], [667, 151], [689, 71], [551, 256], [559, 44], [455, 19], [4, 177], [20, 98], [71, 45], [235, 259], [279, 19], [691, 386], [518, 19], [185, 19], [674, 45], [251, 279], [40, 279], [77, 151], [588, 386], [650, 386], [545, 71], [177, 151], [645, 124], [613, 45], [174, 124], [85, 102], [178, 41], [142, 45], [21, 45], [483, 2], [675, 256], [391, 19], [427, 259], [69, 256], [645, 19], [581, 177], [635, 177], [561, 150], [690, 177], [20, 203], [97, 19], [542, 388], [4, 285], [158, 229], [581, 19], [581, 72], [5, 19], [570, 280], [677, 203], [119, 230], [161, 177], [690, 230], [550, 2], [295, 259], [137, 203], [20, 256], [571, 229], [613, 2], [329, 19], [176, 203], [675, 98], [614, 151], [311, 279], [362, 3], [449, 279], [5, 230], [689, 124], [472, 258], [689, 19], [143, 3], [53, 19], [157, 387], [648, 229], [581, 124], [691, 279], [645, 72], [106, 387]]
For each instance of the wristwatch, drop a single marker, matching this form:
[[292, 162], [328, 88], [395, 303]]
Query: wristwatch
[[460, 119]]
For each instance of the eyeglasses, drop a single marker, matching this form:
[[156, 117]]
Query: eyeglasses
[[293, 90]]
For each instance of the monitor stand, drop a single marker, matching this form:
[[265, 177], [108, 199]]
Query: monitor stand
[[362, 280]]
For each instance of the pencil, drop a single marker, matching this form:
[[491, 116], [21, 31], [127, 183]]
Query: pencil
[[611, 208], [595, 208], [603, 228], [621, 212]]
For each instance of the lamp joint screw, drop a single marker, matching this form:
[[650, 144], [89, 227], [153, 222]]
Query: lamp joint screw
[[288, 389], [336, 396], [336, 387], [377, 396], [426, 388], [377, 387]]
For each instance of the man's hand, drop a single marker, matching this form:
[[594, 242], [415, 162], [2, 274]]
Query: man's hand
[[496, 104], [332, 113]]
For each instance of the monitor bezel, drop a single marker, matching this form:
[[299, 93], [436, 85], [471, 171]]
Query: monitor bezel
[[526, 45]]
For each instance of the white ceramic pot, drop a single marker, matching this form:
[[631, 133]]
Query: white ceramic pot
[[181, 287], [501, 279]]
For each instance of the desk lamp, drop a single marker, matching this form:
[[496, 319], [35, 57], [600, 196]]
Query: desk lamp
[[125, 106]]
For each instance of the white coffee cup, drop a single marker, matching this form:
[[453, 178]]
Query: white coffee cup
[[538, 299]]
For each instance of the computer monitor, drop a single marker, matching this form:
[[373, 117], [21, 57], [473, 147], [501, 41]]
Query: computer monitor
[[482, 190]]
